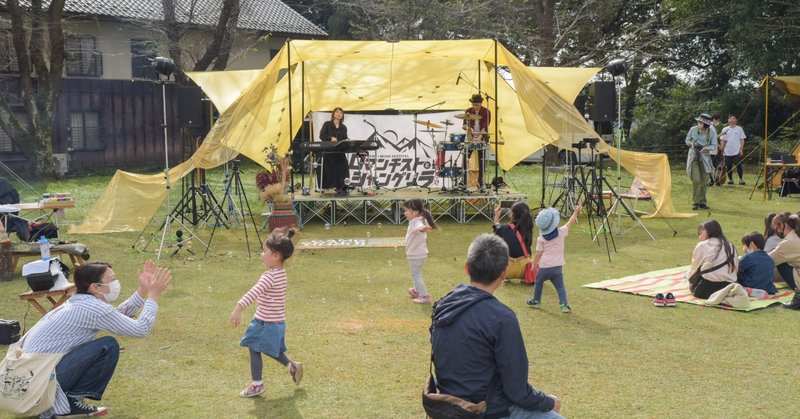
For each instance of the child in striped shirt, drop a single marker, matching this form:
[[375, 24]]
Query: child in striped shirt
[[267, 330]]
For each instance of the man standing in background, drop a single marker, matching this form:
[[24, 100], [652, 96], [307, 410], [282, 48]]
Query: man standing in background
[[732, 143]]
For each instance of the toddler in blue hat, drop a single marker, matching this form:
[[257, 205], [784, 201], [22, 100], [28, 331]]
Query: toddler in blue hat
[[549, 257]]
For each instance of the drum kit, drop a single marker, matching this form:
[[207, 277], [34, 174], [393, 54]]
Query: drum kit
[[455, 168]]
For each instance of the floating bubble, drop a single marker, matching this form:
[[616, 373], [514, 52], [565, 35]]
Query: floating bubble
[[369, 234], [360, 298], [390, 263], [386, 290], [323, 300], [327, 226], [380, 225]]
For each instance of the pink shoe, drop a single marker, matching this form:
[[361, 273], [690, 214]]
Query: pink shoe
[[252, 390], [423, 299], [296, 371], [412, 292]]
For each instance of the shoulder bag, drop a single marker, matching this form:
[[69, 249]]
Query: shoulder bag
[[443, 406], [697, 277], [529, 277], [27, 381]]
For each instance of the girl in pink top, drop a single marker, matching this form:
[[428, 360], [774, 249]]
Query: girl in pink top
[[549, 255], [267, 331], [420, 222]]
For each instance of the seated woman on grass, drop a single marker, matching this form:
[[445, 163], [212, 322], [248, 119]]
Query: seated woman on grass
[[787, 254], [755, 268], [714, 258], [770, 235]]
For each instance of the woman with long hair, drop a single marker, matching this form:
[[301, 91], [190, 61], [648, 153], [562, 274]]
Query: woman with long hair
[[334, 165], [770, 234], [520, 222], [714, 258]]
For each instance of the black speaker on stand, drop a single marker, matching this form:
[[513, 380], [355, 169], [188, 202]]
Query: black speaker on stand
[[602, 95]]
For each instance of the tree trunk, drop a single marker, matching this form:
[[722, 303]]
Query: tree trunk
[[544, 13], [173, 39], [229, 14]]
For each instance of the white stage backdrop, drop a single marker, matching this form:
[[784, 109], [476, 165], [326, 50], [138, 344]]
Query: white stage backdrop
[[400, 146]]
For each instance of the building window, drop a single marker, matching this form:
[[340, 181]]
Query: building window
[[83, 59], [85, 131], [8, 58], [142, 51], [6, 146]]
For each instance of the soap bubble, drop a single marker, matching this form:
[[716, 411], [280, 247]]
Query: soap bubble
[[327, 226]]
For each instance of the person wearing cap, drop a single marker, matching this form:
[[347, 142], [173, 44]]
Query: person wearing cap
[[549, 257], [478, 125], [701, 140]]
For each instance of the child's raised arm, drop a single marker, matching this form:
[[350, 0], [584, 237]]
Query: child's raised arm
[[574, 216]]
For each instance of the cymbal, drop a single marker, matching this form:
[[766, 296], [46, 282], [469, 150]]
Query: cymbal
[[446, 122], [429, 124], [467, 116]]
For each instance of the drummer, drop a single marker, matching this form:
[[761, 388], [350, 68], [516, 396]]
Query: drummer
[[478, 125]]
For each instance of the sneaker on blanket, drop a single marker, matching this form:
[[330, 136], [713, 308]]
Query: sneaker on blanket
[[669, 300], [659, 301]]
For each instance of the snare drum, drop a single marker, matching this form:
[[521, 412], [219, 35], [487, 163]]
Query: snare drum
[[458, 138], [477, 145], [445, 146], [450, 172]]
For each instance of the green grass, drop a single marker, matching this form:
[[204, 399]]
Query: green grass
[[365, 345]]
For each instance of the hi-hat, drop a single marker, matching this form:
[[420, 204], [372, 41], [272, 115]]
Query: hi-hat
[[446, 122], [429, 124], [468, 116]]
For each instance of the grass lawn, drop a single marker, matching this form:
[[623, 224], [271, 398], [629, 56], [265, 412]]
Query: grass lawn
[[365, 345]]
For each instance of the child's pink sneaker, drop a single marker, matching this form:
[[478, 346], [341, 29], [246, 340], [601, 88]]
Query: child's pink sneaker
[[252, 390], [412, 292], [423, 299], [296, 371]]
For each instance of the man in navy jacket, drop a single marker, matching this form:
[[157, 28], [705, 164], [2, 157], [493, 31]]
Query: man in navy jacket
[[475, 337]]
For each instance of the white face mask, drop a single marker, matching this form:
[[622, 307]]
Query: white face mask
[[115, 287]]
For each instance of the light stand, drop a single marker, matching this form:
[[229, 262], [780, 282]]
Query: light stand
[[165, 66]]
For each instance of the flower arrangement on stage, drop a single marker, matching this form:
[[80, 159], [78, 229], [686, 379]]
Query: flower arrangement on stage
[[271, 183]]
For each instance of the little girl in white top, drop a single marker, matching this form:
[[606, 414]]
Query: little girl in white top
[[420, 222]]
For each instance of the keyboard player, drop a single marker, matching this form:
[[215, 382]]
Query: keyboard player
[[334, 167]]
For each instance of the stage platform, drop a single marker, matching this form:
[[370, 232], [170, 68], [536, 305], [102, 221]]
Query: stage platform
[[387, 205]]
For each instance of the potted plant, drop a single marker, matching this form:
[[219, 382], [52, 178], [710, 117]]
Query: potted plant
[[271, 186]]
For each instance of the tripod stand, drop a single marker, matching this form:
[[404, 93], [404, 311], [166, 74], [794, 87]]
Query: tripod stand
[[170, 218], [594, 199], [187, 207], [235, 188]]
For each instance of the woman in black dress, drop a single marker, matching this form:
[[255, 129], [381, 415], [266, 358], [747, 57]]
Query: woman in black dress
[[334, 167]]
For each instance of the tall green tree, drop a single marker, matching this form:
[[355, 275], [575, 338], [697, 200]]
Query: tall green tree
[[37, 37]]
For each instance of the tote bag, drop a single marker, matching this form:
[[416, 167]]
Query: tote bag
[[27, 381]]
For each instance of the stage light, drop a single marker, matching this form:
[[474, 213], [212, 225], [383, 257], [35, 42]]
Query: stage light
[[617, 67], [163, 65]]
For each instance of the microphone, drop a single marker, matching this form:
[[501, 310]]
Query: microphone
[[370, 123]]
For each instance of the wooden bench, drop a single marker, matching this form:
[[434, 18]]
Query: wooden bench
[[32, 298], [76, 259]]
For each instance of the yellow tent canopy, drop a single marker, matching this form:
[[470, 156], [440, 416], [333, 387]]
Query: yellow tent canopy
[[312, 75]]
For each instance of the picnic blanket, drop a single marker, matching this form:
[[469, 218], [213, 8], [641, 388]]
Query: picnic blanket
[[673, 280], [352, 243]]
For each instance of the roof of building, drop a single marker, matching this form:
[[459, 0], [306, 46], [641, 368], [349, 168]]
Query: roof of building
[[260, 15]]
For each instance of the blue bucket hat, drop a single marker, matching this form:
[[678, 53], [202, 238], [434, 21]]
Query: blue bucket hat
[[547, 220]]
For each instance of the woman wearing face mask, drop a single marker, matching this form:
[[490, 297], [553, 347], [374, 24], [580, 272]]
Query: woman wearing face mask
[[787, 254], [88, 363], [701, 140]]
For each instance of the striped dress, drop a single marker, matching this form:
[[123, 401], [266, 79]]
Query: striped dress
[[78, 321], [269, 293]]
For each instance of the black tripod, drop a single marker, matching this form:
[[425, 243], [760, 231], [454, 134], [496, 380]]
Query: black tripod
[[235, 188], [594, 199], [187, 207]]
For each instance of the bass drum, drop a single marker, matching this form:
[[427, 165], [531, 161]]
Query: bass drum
[[450, 172]]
